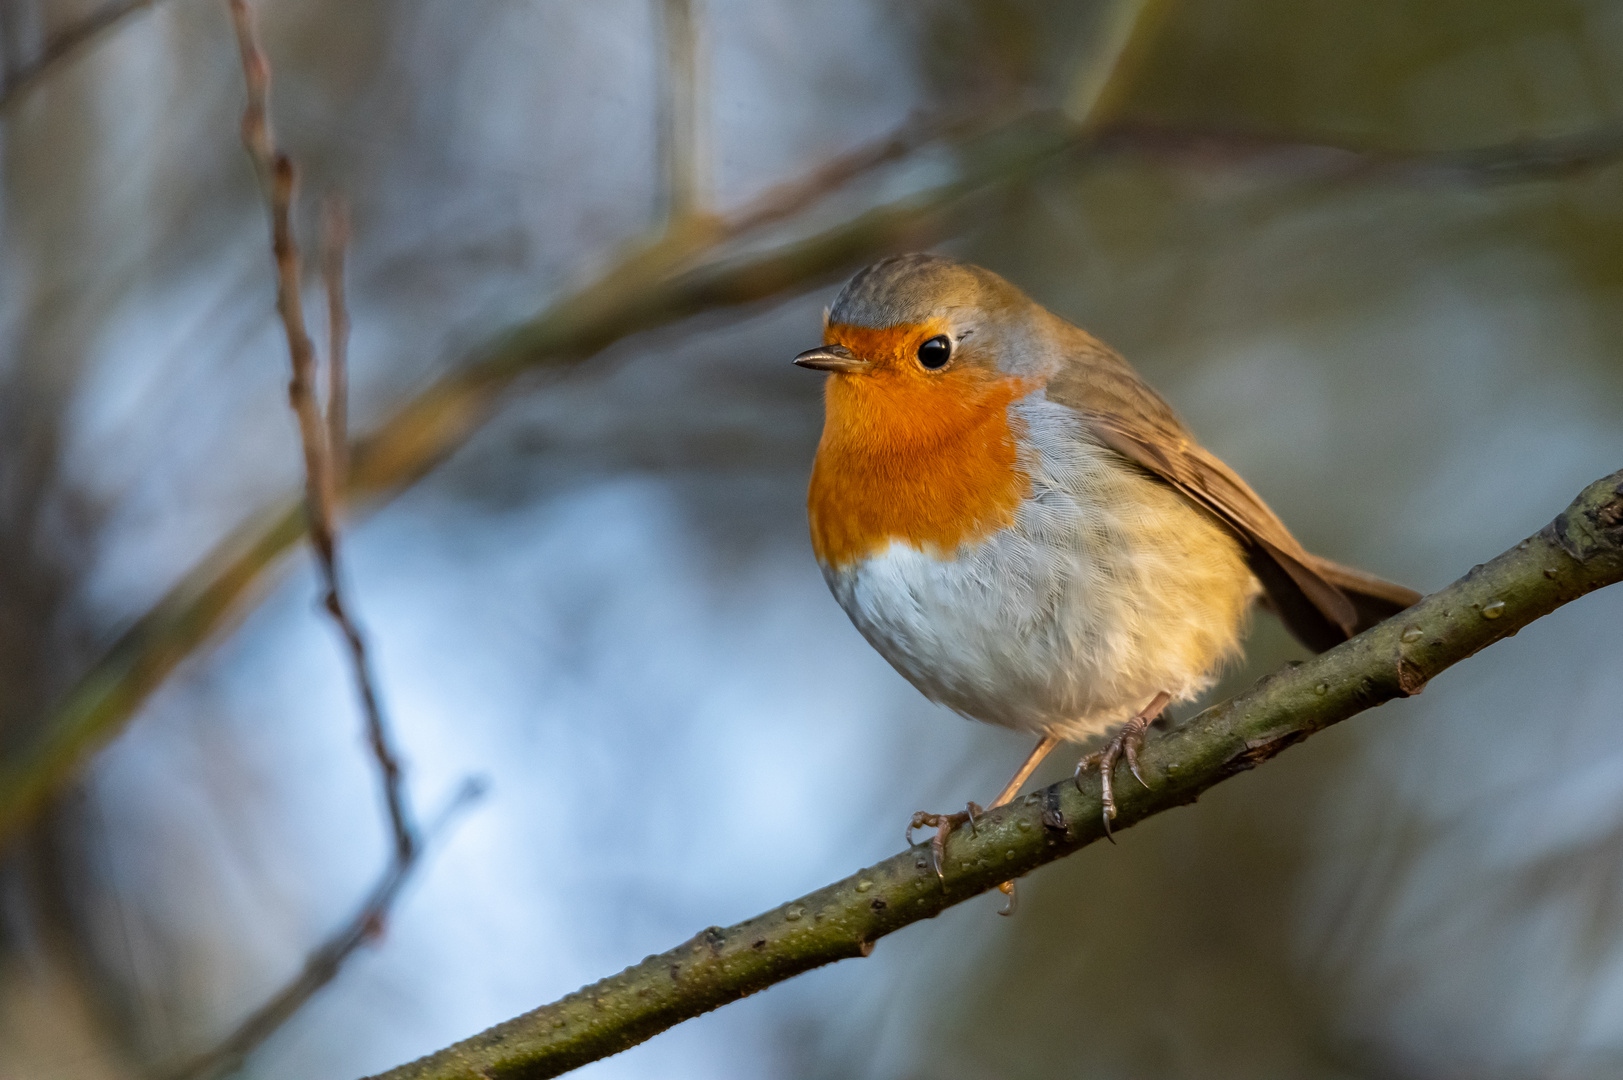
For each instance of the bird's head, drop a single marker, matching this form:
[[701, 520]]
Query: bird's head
[[919, 346]]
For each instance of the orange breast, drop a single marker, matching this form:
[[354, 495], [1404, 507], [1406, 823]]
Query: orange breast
[[928, 458]]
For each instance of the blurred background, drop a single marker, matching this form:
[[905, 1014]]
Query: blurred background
[[1373, 252]]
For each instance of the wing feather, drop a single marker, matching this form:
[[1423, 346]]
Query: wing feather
[[1321, 602]]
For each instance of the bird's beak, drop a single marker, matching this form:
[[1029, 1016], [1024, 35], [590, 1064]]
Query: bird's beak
[[831, 358]]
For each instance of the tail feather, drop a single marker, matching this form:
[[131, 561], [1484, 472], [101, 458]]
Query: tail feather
[[1375, 599]]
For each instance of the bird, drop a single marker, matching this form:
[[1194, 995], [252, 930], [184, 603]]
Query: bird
[[1028, 533]]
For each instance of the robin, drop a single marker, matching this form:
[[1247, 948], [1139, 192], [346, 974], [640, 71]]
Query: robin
[[1026, 530]]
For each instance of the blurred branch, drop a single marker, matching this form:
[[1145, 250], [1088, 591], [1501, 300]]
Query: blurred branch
[[316, 431], [683, 145], [1553, 156], [64, 45], [1580, 551], [323, 965], [1099, 87], [1548, 157]]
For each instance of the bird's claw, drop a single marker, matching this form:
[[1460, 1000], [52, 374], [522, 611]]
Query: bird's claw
[[943, 825], [1126, 744]]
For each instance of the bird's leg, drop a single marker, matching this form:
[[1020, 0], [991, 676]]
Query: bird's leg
[[1010, 790], [1127, 743], [1022, 774], [945, 823]]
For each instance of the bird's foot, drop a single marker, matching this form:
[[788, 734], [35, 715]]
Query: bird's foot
[[1127, 743], [943, 825]]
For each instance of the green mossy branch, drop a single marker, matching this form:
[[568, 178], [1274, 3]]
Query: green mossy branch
[[1580, 551]]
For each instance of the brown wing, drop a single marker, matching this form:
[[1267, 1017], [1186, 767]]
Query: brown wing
[[1321, 602]]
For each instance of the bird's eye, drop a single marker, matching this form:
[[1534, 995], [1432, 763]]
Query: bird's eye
[[935, 352]]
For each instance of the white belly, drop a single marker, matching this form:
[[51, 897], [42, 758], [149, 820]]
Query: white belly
[[1108, 589]]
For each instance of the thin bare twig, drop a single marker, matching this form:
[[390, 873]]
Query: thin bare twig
[[320, 497], [321, 436], [64, 45], [334, 243], [277, 178]]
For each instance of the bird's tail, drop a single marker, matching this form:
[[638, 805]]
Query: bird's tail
[[1375, 599]]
